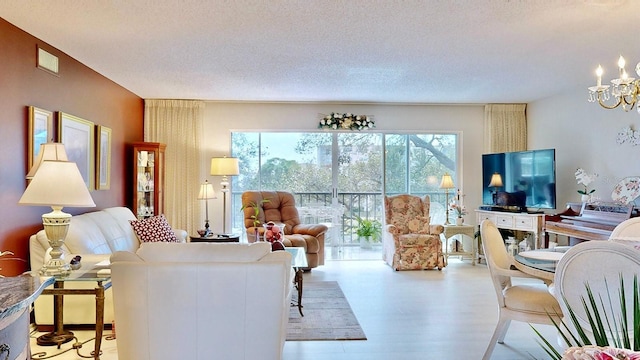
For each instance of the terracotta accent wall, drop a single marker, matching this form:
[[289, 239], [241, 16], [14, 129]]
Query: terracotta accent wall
[[77, 90]]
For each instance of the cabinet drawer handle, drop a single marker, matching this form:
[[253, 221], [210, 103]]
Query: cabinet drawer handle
[[5, 348]]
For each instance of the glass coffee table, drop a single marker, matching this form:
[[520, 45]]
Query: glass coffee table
[[98, 273], [298, 262]]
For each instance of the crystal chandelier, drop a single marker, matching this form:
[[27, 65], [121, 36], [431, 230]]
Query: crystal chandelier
[[624, 89]]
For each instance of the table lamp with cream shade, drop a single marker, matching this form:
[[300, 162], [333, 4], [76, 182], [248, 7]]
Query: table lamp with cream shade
[[224, 166], [446, 184], [206, 192], [495, 183], [57, 184], [48, 151]]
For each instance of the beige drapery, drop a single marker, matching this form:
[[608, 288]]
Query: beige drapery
[[178, 124], [505, 128]]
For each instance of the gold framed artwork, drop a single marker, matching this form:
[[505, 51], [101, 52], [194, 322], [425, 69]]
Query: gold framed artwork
[[103, 158], [40, 131], [78, 137]]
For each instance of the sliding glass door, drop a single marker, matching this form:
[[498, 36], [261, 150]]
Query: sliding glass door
[[358, 189], [335, 177], [338, 177], [415, 163]]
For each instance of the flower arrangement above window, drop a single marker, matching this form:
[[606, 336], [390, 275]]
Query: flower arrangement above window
[[348, 121]]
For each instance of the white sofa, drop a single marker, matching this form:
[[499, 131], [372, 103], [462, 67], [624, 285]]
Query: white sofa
[[201, 301], [94, 236]]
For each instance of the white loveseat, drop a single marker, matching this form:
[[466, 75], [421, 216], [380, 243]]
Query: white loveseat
[[201, 301], [94, 236]]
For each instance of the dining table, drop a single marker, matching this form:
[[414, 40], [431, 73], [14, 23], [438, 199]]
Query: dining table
[[540, 263]]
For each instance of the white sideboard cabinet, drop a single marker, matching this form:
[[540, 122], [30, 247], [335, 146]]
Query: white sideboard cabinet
[[533, 223]]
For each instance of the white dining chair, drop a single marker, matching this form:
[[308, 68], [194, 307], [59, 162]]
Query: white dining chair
[[627, 233], [531, 302], [600, 264]]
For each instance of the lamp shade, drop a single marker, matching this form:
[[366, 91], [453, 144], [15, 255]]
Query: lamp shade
[[206, 191], [48, 151], [496, 180], [57, 183], [221, 166], [447, 182]]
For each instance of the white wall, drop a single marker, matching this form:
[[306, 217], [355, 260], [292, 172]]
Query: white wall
[[584, 136], [467, 120]]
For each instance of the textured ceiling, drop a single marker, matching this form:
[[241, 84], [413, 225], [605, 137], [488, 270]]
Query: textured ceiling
[[342, 50]]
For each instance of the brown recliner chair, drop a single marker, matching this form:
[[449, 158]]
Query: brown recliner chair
[[280, 207]]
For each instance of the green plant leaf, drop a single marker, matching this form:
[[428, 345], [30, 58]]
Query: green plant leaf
[[595, 321], [618, 338], [256, 210], [369, 228], [616, 331], [548, 348]]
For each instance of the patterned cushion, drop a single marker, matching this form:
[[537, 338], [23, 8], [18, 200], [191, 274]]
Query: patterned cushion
[[153, 229]]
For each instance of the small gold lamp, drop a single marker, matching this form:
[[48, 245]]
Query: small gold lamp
[[206, 193], [495, 183], [446, 184]]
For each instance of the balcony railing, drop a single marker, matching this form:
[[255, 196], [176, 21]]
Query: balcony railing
[[317, 208]]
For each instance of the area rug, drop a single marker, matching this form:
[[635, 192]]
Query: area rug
[[327, 315]]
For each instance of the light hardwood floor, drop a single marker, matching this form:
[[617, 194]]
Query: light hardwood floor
[[448, 314]]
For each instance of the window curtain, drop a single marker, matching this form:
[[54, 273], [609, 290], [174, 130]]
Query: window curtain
[[178, 124], [505, 128]]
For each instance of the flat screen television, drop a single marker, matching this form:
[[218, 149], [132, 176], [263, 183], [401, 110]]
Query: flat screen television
[[526, 175]]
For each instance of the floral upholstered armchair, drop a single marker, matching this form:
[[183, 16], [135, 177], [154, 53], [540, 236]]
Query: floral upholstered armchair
[[410, 242]]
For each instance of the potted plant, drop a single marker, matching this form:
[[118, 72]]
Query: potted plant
[[256, 214], [611, 336], [368, 231], [460, 211], [585, 179]]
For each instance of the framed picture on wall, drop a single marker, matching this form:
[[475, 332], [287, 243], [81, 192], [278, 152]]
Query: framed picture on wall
[[40, 131], [103, 158], [77, 135]]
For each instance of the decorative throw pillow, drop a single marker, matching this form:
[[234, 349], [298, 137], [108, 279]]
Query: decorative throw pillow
[[153, 229]]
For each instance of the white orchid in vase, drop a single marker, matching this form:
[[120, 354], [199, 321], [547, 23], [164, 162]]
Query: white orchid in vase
[[585, 179], [458, 209]]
